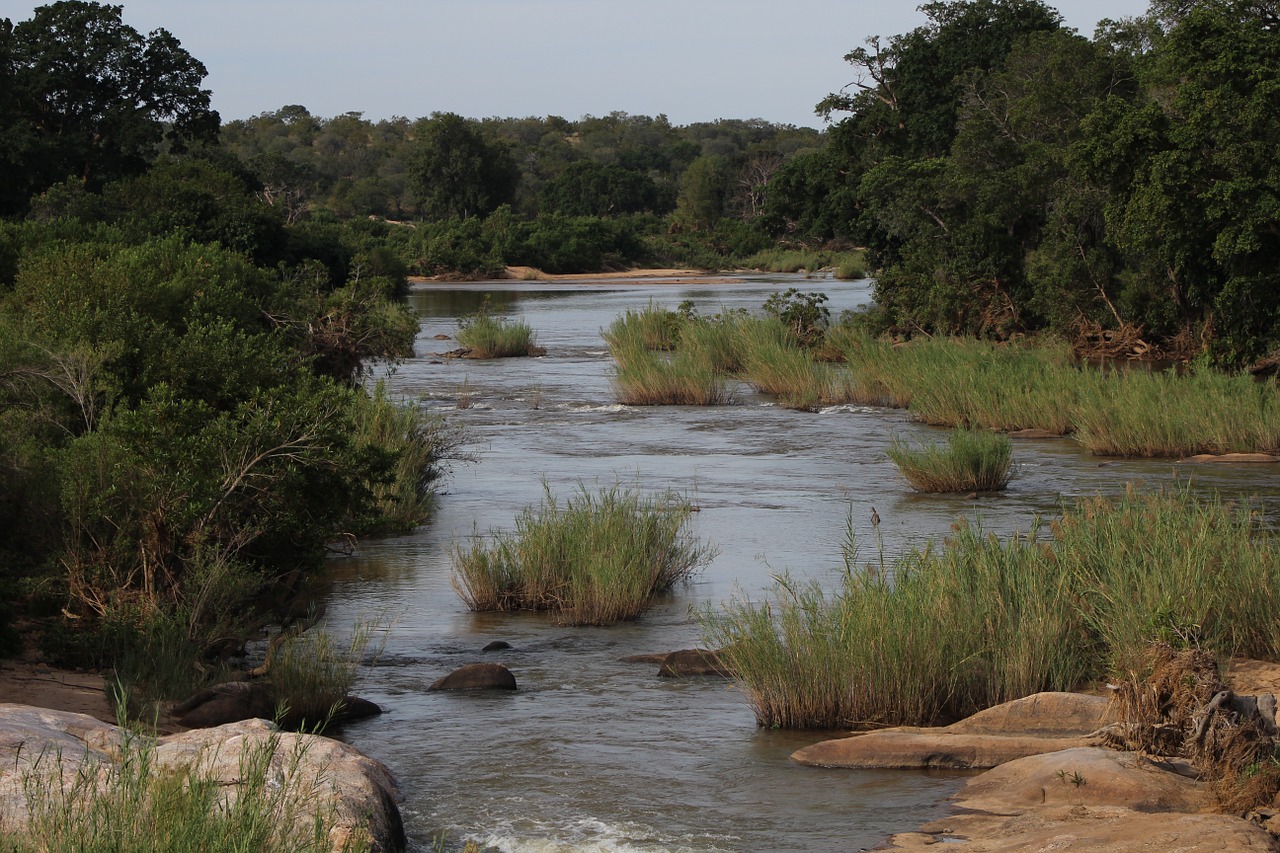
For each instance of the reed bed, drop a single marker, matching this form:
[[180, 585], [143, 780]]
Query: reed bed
[[652, 328], [948, 630], [648, 379], [716, 342], [487, 336], [596, 559], [971, 461], [1137, 413], [313, 674]]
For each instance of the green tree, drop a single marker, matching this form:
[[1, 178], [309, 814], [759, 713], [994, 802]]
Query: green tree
[[90, 97], [457, 170]]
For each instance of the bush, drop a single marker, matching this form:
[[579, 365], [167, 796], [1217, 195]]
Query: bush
[[495, 337], [972, 461], [598, 559]]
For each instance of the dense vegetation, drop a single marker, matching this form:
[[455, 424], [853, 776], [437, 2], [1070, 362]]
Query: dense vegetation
[[187, 307]]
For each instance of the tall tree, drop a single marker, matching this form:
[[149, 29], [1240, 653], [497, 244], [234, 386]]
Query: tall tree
[[458, 170], [87, 96]]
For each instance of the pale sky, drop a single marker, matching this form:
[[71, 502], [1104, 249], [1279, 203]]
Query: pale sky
[[694, 60]]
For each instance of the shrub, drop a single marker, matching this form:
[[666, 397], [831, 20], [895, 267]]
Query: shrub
[[973, 460], [598, 559]]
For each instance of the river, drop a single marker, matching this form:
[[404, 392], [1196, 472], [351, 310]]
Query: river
[[594, 754]]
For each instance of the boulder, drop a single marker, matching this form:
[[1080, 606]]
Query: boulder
[[1045, 722], [691, 662], [319, 776], [477, 676], [226, 703]]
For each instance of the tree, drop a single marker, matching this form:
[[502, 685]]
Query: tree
[[86, 95], [458, 171]]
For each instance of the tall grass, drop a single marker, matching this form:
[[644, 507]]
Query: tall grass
[[596, 559], [972, 460], [652, 379], [495, 337], [652, 328], [312, 674], [951, 629], [1138, 413], [847, 264], [139, 804]]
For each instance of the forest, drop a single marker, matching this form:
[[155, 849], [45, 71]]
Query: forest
[[190, 306]]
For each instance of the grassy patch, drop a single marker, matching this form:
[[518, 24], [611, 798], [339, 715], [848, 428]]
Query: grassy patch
[[649, 379], [948, 630], [495, 337], [593, 560], [652, 328], [312, 674], [971, 461]]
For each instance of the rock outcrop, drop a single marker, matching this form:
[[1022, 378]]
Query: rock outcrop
[[317, 775], [1045, 722]]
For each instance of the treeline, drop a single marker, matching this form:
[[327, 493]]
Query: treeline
[[1011, 175]]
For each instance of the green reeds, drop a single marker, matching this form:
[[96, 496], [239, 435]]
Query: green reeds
[[774, 364], [312, 674], [1138, 413], [596, 559], [649, 379], [948, 630], [652, 328], [971, 461], [486, 336], [139, 803]]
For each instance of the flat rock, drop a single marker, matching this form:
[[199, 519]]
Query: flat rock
[[1033, 433], [330, 777], [1229, 458], [477, 676], [1045, 722]]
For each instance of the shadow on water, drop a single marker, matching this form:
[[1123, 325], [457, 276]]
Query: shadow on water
[[596, 754]]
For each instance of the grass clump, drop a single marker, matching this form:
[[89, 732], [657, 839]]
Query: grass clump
[[971, 461], [312, 674], [495, 337], [948, 630], [652, 328], [649, 379], [596, 559], [140, 803]]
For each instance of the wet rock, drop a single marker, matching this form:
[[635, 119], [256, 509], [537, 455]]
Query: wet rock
[[330, 778], [226, 703], [691, 662], [1034, 433], [442, 338], [651, 657], [1045, 722], [477, 676], [1232, 458], [496, 646]]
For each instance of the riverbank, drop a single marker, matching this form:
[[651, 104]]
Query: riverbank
[[636, 276]]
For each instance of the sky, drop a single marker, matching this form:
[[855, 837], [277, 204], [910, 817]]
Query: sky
[[692, 60]]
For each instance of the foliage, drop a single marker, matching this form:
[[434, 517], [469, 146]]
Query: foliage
[[313, 674], [458, 170], [487, 336], [595, 560], [973, 460], [86, 95], [804, 314]]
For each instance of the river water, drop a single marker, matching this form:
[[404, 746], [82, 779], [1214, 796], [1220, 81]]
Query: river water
[[594, 754]]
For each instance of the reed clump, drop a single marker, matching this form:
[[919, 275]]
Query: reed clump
[[313, 673], [595, 559], [651, 328], [651, 379], [950, 629], [971, 461], [486, 336]]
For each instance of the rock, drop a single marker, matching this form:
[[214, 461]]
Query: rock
[[226, 703], [1034, 433], [1227, 458], [442, 338], [691, 662], [650, 657], [1045, 722], [355, 708], [328, 777], [1087, 799], [477, 676], [496, 646]]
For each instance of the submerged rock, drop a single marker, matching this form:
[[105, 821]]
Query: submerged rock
[[477, 676], [330, 779], [234, 701], [692, 662], [496, 646]]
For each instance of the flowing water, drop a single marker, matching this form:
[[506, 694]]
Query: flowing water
[[600, 755]]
